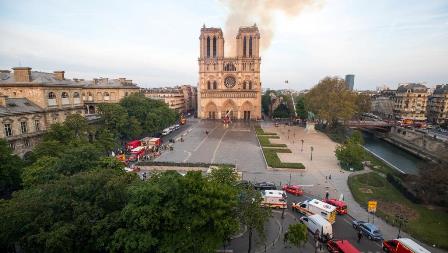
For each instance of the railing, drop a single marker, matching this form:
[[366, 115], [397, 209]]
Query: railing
[[65, 101], [52, 102]]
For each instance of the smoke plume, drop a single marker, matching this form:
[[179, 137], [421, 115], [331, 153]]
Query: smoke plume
[[248, 12]]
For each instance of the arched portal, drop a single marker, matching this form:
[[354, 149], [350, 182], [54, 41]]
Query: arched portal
[[247, 109], [230, 109], [211, 111]]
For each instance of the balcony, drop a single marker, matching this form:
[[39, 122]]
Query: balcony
[[52, 102], [76, 101], [65, 101]]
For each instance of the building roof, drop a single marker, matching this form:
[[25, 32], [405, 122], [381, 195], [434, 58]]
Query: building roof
[[441, 89], [17, 106], [415, 87], [48, 79]]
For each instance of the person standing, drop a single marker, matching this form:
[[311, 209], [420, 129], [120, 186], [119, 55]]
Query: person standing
[[285, 239], [359, 235], [327, 195]]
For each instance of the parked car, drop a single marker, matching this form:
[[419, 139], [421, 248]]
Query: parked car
[[265, 186], [166, 131], [368, 229], [293, 189], [341, 246]]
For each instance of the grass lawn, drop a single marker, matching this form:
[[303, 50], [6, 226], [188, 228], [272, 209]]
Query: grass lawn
[[429, 226], [264, 141], [260, 131], [273, 161]]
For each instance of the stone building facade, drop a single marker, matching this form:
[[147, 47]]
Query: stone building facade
[[229, 85], [182, 98], [30, 101], [438, 105], [411, 101]]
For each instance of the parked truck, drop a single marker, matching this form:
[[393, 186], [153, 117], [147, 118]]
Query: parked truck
[[315, 206], [403, 245]]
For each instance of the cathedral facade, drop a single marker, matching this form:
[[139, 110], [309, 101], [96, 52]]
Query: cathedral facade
[[229, 86]]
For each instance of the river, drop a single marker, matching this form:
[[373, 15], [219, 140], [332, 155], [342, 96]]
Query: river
[[398, 158]]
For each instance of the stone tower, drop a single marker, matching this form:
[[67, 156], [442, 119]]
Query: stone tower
[[229, 85]]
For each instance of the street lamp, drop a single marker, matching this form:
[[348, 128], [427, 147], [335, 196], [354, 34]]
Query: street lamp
[[401, 220], [312, 152], [301, 150]]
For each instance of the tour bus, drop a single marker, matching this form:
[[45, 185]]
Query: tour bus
[[274, 199], [316, 206]]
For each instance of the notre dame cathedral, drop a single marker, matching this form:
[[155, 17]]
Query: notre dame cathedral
[[229, 86]]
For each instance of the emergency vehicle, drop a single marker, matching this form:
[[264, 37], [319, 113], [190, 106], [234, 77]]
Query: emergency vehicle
[[274, 199]]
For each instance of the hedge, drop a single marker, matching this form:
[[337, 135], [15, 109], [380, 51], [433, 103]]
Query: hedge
[[273, 160], [260, 131], [264, 141]]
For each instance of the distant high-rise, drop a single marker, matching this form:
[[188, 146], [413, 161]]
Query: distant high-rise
[[350, 81]]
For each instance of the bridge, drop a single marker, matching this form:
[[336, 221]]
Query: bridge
[[369, 124]]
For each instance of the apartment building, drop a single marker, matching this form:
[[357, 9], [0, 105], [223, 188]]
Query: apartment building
[[438, 105], [411, 101], [182, 99]]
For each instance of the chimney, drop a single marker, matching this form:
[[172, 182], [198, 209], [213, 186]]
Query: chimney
[[59, 75], [22, 74], [3, 100]]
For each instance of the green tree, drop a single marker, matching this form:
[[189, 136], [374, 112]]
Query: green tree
[[266, 102], [282, 111], [223, 175], [10, 170], [302, 112], [351, 153], [331, 101], [40, 172], [79, 157], [297, 234], [72, 214], [251, 213]]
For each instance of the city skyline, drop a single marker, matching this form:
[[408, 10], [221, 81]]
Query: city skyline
[[381, 43]]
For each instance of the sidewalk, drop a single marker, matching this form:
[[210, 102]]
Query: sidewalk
[[323, 165]]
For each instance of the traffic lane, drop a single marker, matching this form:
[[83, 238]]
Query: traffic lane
[[342, 228]]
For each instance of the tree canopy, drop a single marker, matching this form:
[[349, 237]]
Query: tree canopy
[[330, 100], [351, 153], [301, 109], [297, 234], [10, 170], [282, 111]]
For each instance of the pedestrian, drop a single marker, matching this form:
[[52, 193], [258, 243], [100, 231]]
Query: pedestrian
[[327, 194], [359, 235], [285, 239], [329, 177]]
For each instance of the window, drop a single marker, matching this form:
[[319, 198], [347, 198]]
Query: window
[[208, 85], [64, 95], [208, 47], [8, 130], [250, 85], [23, 127], [106, 96], [215, 85], [37, 125], [250, 46], [244, 85], [76, 95], [12, 146], [244, 46], [26, 142], [214, 46], [51, 95]]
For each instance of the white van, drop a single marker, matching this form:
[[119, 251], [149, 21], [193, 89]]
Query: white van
[[315, 223], [318, 207]]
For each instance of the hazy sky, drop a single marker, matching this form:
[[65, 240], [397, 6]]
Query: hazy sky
[[155, 43]]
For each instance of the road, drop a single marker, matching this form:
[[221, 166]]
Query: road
[[237, 144]]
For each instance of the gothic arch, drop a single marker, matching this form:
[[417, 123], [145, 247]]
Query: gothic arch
[[211, 110], [247, 106]]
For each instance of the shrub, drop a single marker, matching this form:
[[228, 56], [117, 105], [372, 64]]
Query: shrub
[[401, 187]]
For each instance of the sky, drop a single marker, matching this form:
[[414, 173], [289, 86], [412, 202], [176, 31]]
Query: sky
[[156, 43]]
